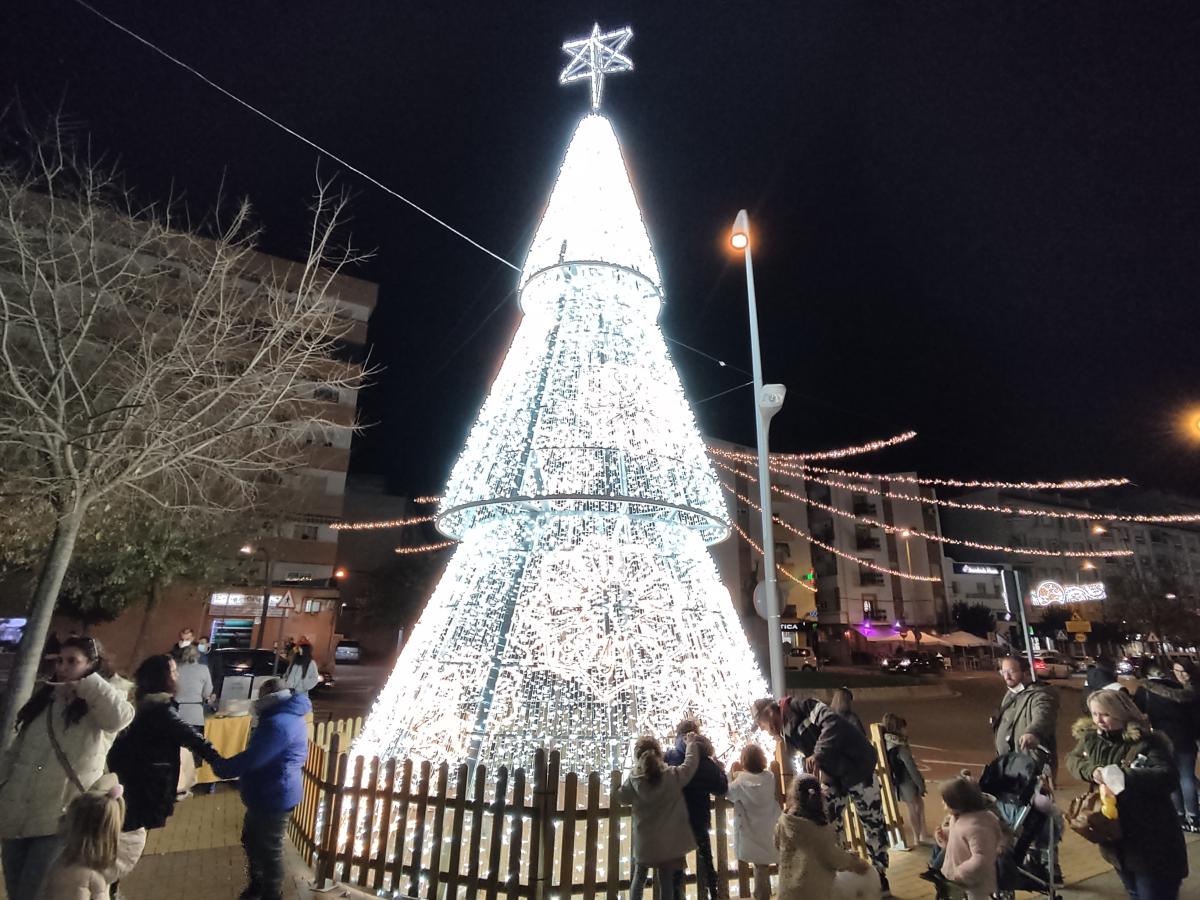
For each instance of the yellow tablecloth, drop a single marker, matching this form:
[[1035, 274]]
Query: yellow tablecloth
[[229, 735]]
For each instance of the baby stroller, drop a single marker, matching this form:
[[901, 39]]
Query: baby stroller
[[1019, 782]]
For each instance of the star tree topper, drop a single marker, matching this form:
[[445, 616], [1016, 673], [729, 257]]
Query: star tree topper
[[596, 56]]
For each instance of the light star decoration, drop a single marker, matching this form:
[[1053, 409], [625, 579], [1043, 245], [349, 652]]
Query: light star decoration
[[596, 56]]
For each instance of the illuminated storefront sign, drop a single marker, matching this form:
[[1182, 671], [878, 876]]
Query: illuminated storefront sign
[[1049, 592], [976, 569]]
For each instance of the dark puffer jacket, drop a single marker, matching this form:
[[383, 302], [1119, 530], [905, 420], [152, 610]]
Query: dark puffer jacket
[[1172, 711], [709, 779], [269, 768], [1151, 839], [145, 757], [843, 753]]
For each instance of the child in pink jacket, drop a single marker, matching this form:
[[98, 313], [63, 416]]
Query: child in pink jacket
[[973, 841], [93, 830]]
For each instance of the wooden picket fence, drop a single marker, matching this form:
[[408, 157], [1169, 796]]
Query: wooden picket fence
[[413, 831]]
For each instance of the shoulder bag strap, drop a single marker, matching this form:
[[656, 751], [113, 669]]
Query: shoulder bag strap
[[58, 751]]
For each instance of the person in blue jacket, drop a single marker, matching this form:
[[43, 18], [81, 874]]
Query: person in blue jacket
[[269, 773]]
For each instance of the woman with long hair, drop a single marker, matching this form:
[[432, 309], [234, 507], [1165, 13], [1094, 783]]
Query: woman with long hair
[[63, 734], [906, 777], [662, 836], [1117, 751], [302, 675]]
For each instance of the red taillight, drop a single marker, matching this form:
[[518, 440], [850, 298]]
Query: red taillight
[[1038, 664]]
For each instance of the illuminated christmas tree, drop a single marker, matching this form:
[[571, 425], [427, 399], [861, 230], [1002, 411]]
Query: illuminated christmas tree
[[581, 608]]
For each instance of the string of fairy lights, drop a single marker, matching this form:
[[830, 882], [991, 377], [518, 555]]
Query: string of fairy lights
[[838, 453], [782, 569], [909, 530], [1029, 511], [836, 551]]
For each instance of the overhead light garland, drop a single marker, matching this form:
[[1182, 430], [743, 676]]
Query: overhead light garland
[[1030, 512], [907, 530], [800, 532], [839, 453], [425, 548], [427, 500], [1070, 485], [759, 550], [382, 523]]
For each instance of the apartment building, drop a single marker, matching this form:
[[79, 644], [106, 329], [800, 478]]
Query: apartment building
[[854, 562], [1164, 557]]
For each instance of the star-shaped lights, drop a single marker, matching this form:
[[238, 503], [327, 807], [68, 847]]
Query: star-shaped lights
[[596, 56]]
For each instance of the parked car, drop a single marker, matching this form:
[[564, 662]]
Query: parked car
[[347, 652], [801, 658], [1080, 664], [1047, 664], [912, 662]]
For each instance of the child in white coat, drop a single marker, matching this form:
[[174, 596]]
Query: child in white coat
[[752, 791]]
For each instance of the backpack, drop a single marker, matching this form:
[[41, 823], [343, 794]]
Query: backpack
[[896, 765]]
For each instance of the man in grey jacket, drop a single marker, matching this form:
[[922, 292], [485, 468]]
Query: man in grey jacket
[[1028, 714]]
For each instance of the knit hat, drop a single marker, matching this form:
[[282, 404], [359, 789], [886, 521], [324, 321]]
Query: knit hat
[[962, 795]]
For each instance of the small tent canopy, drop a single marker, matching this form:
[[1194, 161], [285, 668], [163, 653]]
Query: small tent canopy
[[965, 639]]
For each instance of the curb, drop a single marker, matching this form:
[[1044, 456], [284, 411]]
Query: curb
[[900, 692]]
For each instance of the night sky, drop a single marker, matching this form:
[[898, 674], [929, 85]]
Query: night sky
[[977, 220]]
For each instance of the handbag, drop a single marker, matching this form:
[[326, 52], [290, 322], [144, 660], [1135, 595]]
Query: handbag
[[1085, 818]]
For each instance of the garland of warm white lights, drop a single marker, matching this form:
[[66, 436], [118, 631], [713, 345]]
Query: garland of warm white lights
[[800, 532], [937, 538], [425, 548], [383, 523], [1171, 518], [759, 550], [427, 500], [839, 453], [1073, 485]]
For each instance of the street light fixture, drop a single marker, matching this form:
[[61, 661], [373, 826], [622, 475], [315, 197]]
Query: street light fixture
[[768, 399], [251, 550], [1099, 529]]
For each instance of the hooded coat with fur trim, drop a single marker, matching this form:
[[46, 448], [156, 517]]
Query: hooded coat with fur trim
[[809, 858], [1151, 839], [269, 768]]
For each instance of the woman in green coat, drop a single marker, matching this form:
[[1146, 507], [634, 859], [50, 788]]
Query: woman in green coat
[[1117, 749]]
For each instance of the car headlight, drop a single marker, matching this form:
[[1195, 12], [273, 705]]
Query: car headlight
[[906, 662]]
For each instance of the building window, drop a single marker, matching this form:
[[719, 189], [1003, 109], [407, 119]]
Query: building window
[[864, 538], [783, 550], [862, 506], [327, 394], [869, 576], [307, 532]]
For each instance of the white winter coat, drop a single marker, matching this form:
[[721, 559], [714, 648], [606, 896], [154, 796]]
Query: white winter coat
[[34, 788], [755, 812], [661, 832], [302, 682]]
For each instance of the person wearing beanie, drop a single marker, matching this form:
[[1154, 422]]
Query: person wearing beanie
[[973, 841]]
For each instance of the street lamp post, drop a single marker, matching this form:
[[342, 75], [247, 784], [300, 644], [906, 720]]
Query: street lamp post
[[767, 402], [248, 550]]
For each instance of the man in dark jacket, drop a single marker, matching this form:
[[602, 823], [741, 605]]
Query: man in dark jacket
[[269, 770], [709, 779], [843, 757], [1171, 708], [1028, 714]]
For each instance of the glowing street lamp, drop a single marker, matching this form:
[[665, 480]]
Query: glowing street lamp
[[250, 550], [768, 399]]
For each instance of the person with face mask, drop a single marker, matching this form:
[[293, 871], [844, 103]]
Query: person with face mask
[[187, 637], [63, 735]]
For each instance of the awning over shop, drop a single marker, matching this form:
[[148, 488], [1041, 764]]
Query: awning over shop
[[965, 639]]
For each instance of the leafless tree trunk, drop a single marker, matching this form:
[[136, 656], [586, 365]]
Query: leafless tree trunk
[[140, 362]]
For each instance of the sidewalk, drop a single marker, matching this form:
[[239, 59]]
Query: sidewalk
[[200, 849]]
